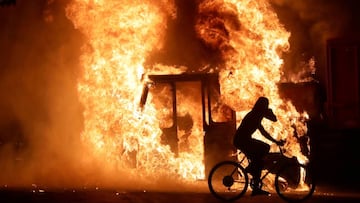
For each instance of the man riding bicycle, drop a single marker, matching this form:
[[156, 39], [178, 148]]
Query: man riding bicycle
[[255, 149]]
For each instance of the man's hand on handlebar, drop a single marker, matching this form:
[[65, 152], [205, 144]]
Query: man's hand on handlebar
[[281, 142]]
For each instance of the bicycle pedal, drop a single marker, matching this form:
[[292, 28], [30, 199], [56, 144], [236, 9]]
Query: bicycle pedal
[[260, 192]]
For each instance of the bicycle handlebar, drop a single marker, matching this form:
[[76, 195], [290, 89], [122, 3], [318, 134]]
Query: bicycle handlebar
[[281, 149]]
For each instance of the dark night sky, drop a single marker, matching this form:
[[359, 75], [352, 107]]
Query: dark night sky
[[311, 23], [39, 62]]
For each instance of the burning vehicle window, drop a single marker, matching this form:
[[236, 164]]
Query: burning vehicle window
[[188, 96], [189, 114], [220, 112], [163, 101]]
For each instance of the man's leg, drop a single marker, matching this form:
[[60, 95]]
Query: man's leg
[[256, 188], [256, 173], [260, 150]]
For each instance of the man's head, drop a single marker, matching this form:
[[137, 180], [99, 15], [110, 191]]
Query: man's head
[[262, 107], [262, 104]]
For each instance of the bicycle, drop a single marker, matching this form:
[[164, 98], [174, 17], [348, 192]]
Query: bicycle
[[229, 180]]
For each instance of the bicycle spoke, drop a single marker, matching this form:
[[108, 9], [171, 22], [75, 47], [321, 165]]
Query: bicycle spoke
[[294, 183], [227, 181]]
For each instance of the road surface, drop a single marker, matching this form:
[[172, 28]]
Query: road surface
[[98, 195]]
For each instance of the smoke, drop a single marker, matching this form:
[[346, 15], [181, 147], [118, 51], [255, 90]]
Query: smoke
[[311, 24], [182, 45], [40, 114]]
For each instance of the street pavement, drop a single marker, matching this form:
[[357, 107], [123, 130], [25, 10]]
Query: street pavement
[[323, 194]]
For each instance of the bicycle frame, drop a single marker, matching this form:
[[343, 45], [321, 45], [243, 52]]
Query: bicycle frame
[[273, 162]]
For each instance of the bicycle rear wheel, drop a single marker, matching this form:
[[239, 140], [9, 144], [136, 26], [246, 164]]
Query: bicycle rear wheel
[[294, 183], [228, 181]]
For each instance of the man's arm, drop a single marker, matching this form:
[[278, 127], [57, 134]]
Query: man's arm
[[268, 136]]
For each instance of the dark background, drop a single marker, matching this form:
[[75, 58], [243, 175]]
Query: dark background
[[39, 66]]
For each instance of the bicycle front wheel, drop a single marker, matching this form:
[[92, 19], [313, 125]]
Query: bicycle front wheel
[[228, 181], [294, 183]]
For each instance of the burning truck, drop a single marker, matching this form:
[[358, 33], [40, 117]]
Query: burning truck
[[216, 120]]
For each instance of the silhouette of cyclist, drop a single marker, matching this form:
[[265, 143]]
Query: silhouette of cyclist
[[255, 149]]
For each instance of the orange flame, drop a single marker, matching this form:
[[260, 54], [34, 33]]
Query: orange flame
[[121, 35], [252, 49]]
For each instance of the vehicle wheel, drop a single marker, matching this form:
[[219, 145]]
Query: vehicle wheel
[[228, 181], [294, 183]]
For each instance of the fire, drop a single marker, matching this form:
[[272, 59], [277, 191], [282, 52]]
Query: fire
[[252, 50], [121, 35]]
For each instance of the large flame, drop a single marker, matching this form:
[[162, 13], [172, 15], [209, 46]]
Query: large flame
[[252, 48], [122, 34]]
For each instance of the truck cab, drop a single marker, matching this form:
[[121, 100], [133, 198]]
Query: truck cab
[[191, 103]]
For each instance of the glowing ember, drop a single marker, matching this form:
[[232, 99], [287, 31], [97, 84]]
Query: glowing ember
[[122, 34]]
